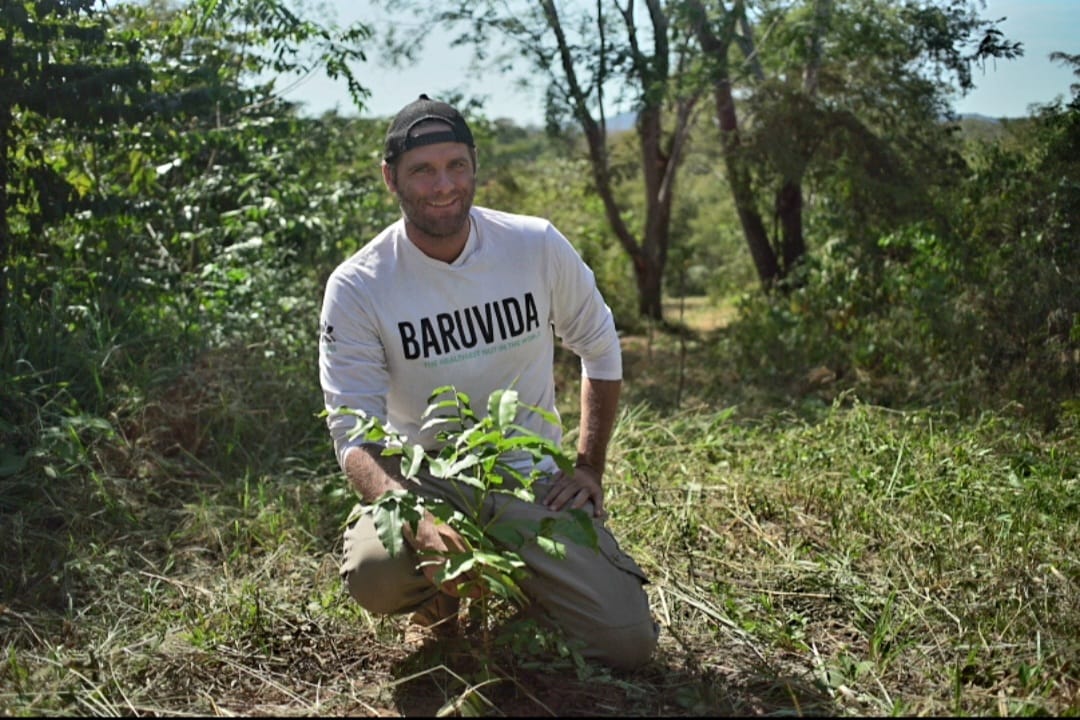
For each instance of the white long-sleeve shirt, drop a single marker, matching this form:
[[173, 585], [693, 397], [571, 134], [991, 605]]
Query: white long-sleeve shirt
[[397, 324]]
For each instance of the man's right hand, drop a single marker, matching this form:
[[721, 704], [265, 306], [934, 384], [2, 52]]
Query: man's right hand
[[372, 474], [434, 542]]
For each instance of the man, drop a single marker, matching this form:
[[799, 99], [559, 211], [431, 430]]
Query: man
[[459, 295]]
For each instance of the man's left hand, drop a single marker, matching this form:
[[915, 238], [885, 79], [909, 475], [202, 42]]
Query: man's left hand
[[574, 491]]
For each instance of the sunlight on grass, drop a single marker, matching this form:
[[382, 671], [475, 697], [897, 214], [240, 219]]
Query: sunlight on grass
[[806, 558]]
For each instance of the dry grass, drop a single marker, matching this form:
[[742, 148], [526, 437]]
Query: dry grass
[[856, 562]]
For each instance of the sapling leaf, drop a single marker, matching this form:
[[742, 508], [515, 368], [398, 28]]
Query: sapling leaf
[[530, 442], [465, 479], [503, 407], [445, 513], [456, 566], [458, 400], [439, 467], [521, 492], [552, 547], [468, 529], [440, 509], [476, 438], [551, 417], [462, 465], [440, 420], [410, 463], [388, 513], [580, 529], [575, 525], [371, 431], [504, 562], [443, 390], [490, 462], [505, 587], [449, 403], [507, 534], [508, 472], [544, 447]]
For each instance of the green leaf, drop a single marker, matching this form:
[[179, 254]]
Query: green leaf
[[479, 437], [387, 518], [461, 465], [503, 407], [439, 467], [505, 562], [439, 421], [522, 492], [554, 548], [456, 566], [506, 534], [413, 457], [584, 532], [551, 417], [575, 526], [504, 586], [441, 390]]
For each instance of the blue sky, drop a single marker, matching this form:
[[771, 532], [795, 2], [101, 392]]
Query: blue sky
[[1005, 89]]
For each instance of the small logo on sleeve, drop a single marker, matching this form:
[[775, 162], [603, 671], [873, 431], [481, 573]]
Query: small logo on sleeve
[[327, 338]]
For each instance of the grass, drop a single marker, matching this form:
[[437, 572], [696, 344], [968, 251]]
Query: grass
[[811, 555]]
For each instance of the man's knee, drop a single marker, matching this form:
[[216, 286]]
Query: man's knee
[[623, 648], [378, 587], [382, 584]]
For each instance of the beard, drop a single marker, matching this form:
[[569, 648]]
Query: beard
[[433, 222]]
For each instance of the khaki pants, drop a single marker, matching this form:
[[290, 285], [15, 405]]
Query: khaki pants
[[596, 597]]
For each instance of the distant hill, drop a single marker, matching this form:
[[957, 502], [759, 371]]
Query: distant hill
[[982, 127], [621, 122], [977, 116]]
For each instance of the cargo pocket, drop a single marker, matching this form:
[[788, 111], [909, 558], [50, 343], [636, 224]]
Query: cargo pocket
[[609, 546]]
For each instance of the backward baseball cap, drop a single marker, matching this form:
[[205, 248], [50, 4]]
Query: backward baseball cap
[[399, 140]]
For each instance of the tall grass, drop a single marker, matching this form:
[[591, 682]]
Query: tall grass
[[903, 562]]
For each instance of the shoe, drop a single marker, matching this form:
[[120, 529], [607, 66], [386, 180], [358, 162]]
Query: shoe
[[436, 619]]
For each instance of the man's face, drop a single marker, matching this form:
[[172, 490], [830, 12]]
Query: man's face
[[435, 186]]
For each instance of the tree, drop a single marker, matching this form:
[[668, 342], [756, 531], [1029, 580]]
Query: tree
[[589, 59], [58, 64], [851, 84], [76, 79]]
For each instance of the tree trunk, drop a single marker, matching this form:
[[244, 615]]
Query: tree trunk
[[716, 47], [649, 276], [649, 268], [789, 206], [659, 164], [757, 238]]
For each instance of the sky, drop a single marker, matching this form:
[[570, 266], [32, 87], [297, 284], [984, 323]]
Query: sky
[[1003, 88]]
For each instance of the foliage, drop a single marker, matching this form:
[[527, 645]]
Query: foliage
[[192, 226], [975, 303], [85, 133], [476, 458], [837, 103]]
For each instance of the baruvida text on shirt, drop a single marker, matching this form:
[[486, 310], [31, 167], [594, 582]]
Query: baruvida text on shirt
[[465, 328]]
